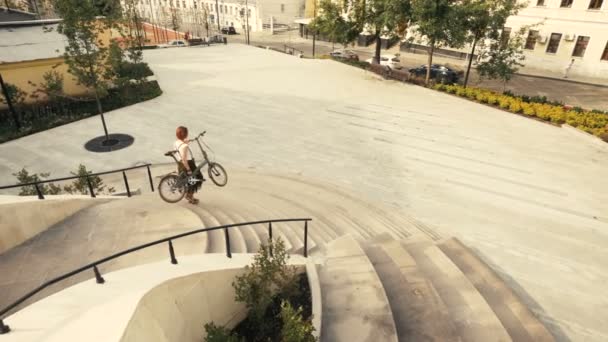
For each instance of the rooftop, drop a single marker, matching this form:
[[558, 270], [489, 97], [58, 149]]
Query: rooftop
[[27, 43]]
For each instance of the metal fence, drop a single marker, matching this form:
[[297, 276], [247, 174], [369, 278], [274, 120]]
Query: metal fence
[[100, 280]]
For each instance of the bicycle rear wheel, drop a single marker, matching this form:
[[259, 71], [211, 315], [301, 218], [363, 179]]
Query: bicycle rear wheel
[[170, 189], [217, 174]]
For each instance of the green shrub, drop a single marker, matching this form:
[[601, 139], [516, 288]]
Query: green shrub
[[219, 334], [134, 71], [24, 177], [295, 328], [515, 106]]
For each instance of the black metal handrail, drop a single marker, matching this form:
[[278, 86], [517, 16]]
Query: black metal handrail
[[100, 280], [88, 177]]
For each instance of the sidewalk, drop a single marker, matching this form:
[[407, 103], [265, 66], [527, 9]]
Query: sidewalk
[[582, 92]]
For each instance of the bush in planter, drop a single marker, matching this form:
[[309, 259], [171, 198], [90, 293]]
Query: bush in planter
[[527, 109], [295, 328], [219, 334], [515, 106], [504, 102]]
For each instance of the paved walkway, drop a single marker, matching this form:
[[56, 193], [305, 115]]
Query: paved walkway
[[530, 198], [583, 95]]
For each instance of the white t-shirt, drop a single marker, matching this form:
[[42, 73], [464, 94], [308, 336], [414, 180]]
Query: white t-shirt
[[181, 147]]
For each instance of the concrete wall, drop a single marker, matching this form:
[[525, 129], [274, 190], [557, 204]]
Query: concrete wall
[[178, 309], [24, 218], [22, 73]]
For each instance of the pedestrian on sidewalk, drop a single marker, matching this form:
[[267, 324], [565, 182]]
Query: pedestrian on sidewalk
[[568, 67]]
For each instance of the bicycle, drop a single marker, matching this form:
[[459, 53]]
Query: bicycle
[[173, 187]]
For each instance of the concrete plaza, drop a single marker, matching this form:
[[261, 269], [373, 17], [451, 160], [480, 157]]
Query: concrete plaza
[[530, 198]]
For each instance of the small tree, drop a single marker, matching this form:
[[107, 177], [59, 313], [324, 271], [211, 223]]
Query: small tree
[[331, 23], [501, 60], [295, 328], [51, 86], [383, 17], [484, 19], [256, 287], [81, 186], [24, 177], [86, 54], [219, 334], [440, 23], [16, 94]]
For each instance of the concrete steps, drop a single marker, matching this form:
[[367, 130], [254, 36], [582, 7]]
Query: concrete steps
[[355, 306], [441, 291], [473, 318], [419, 312], [517, 319]]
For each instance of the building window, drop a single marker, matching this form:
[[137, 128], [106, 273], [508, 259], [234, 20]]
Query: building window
[[605, 53], [184, 3], [566, 3], [580, 47], [540, 3], [554, 42], [595, 4], [282, 8], [531, 40], [249, 13], [504, 36]]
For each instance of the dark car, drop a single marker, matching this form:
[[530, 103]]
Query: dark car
[[439, 72], [228, 30]]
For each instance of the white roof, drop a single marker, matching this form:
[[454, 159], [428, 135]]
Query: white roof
[[30, 42]]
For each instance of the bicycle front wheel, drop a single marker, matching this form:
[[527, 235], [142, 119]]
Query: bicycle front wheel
[[170, 190], [217, 174]]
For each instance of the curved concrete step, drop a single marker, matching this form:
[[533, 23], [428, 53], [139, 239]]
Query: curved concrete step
[[472, 316], [355, 306], [520, 322], [216, 242], [419, 312], [237, 239]]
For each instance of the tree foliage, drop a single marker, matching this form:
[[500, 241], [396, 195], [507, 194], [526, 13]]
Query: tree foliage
[[484, 19], [333, 24], [295, 328], [15, 94], [501, 60], [388, 18], [78, 186], [268, 273], [440, 23]]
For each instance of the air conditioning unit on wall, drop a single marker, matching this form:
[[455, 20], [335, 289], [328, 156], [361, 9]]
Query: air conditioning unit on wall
[[570, 37], [542, 39]]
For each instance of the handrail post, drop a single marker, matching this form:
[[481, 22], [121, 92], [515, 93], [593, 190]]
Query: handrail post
[[306, 239], [228, 252], [124, 176], [150, 178], [40, 195], [172, 253], [98, 278], [4, 329], [90, 187], [270, 237]]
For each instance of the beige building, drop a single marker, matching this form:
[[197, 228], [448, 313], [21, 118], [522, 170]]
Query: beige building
[[570, 29]]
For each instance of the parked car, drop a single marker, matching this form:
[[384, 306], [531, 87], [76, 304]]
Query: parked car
[[346, 54], [173, 43], [228, 30], [439, 72], [391, 61]]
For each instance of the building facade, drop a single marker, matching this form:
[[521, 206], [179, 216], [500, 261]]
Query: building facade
[[567, 30]]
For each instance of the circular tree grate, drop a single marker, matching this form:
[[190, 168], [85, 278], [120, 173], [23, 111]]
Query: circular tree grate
[[113, 142]]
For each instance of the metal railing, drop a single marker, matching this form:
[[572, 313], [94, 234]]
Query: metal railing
[[100, 280], [36, 185]]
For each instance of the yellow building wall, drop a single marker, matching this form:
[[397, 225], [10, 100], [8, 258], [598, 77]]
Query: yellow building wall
[[23, 74]]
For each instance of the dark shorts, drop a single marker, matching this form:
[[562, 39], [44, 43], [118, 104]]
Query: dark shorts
[[197, 185]]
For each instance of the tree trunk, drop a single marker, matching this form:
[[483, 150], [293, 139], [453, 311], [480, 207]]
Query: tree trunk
[[100, 110], [466, 75], [378, 47], [430, 62]]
